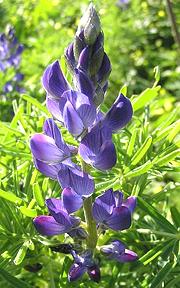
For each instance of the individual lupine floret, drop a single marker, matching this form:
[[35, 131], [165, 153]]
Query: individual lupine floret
[[81, 182], [116, 250], [60, 221], [97, 144], [97, 148], [110, 211], [74, 109], [84, 263], [50, 151]]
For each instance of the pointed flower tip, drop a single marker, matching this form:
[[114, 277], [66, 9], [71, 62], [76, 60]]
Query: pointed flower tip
[[131, 203], [91, 24], [119, 114], [54, 81], [94, 273]]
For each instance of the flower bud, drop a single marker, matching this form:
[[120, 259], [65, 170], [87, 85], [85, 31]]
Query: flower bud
[[62, 248], [94, 273], [91, 24], [79, 44]]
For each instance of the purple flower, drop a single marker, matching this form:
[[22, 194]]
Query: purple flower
[[84, 263], [77, 111], [97, 148], [60, 221], [79, 181], [119, 114], [50, 151], [116, 250], [73, 108], [109, 210], [10, 50]]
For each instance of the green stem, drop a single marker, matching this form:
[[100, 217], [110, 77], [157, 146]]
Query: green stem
[[91, 225]]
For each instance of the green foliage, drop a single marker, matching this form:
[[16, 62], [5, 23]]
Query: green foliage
[[137, 40]]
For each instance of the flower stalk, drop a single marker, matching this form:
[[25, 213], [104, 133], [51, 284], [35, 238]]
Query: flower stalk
[[91, 225]]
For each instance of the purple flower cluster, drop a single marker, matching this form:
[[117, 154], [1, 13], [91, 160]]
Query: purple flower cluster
[[10, 56], [77, 109]]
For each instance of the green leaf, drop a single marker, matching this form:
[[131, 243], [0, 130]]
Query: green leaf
[[20, 255], [157, 217], [157, 75], [173, 282], [28, 212], [161, 276], [141, 151], [35, 102], [15, 282], [131, 143], [139, 170], [174, 131], [123, 90], [145, 97], [175, 216], [38, 194], [10, 197], [160, 161], [155, 252]]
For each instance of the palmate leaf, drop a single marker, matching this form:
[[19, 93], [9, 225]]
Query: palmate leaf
[[157, 217], [15, 282], [162, 275], [156, 251]]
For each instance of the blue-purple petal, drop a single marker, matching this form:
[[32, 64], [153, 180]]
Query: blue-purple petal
[[120, 219], [81, 103], [119, 114], [106, 158], [47, 225], [91, 145], [53, 107], [50, 129], [79, 181], [54, 81], [103, 206], [84, 84], [76, 271], [127, 256], [47, 169], [130, 203], [94, 273], [54, 205], [72, 120], [83, 60], [118, 196], [45, 149], [71, 200]]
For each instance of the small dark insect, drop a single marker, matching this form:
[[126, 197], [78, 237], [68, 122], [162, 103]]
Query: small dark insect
[[33, 267], [62, 248]]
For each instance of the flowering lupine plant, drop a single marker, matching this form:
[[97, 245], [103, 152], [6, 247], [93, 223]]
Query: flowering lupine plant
[[10, 56], [77, 108]]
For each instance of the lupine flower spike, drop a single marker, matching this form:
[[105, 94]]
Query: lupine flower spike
[[77, 108], [10, 56]]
